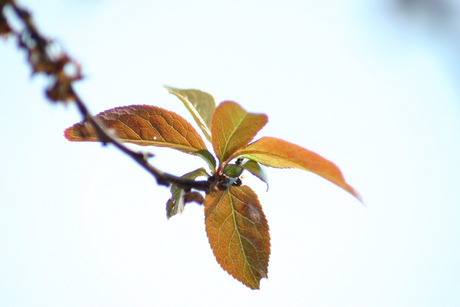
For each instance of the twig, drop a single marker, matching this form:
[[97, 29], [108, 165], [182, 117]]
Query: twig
[[61, 90]]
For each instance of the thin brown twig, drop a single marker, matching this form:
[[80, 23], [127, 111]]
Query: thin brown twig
[[61, 90]]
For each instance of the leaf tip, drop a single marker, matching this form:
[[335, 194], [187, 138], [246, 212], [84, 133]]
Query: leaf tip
[[70, 134], [354, 193], [80, 132], [67, 134], [358, 196]]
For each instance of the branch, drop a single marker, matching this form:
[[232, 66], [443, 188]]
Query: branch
[[60, 89]]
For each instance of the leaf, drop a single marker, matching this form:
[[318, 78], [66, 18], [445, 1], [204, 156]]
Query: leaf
[[143, 125], [208, 157], [193, 197], [281, 154], [200, 104], [235, 170], [180, 197], [256, 169], [176, 204], [233, 128], [238, 233]]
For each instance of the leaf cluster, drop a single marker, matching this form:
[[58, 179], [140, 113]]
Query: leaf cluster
[[235, 223], [236, 226]]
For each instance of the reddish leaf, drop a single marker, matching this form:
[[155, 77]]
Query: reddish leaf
[[238, 233], [143, 125], [233, 128], [279, 153]]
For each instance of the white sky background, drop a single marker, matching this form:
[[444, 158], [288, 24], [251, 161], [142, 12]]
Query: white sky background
[[356, 81]]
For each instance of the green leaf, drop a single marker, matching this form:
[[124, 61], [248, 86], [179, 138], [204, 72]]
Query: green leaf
[[279, 153], [208, 157], [235, 170], [200, 104], [256, 169], [233, 128], [176, 204]]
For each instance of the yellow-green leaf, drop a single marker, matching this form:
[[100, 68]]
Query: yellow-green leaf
[[256, 169], [238, 234], [208, 157], [279, 153], [233, 128], [235, 170], [143, 125], [176, 204], [200, 104]]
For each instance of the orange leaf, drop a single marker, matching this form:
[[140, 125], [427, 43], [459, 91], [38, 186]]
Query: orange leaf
[[238, 233], [279, 153], [233, 128], [143, 125]]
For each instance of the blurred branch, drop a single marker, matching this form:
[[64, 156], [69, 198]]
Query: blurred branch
[[62, 71]]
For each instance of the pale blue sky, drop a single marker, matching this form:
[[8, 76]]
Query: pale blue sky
[[361, 84]]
